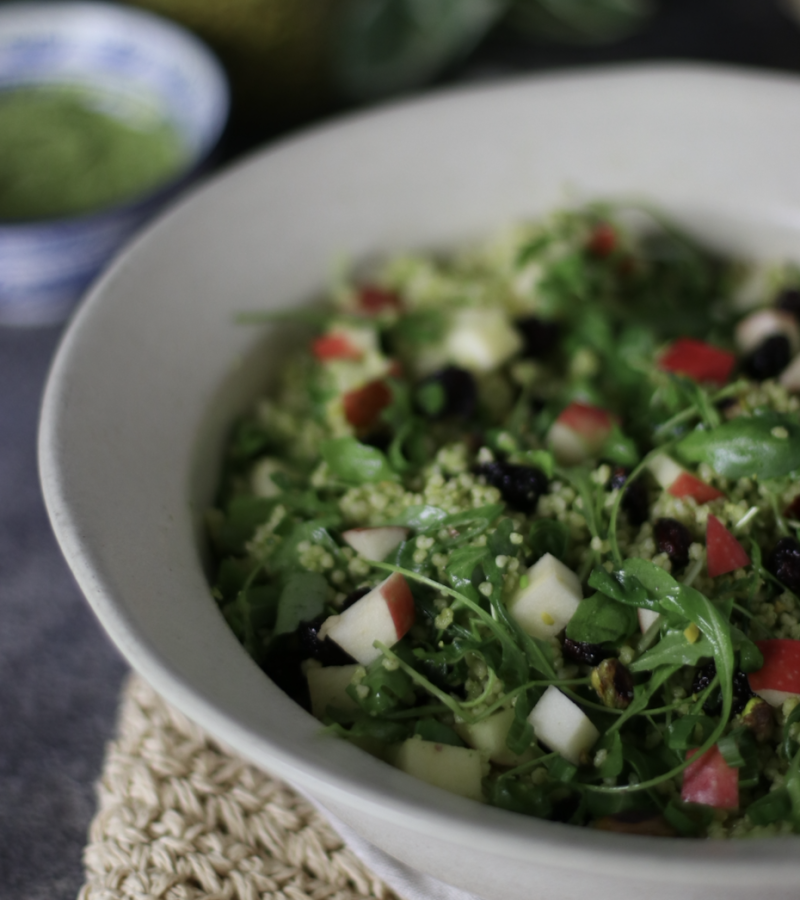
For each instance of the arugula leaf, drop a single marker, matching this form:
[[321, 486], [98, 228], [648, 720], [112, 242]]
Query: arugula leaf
[[599, 620], [682, 734], [302, 599], [767, 446], [420, 518], [548, 536], [520, 735], [673, 649], [623, 586], [772, 807], [614, 761], [388, 688], [437, 732], [463, 562], [356, 463]]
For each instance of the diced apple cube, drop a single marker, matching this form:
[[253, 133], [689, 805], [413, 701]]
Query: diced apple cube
[[549, 600], [327, 687], [665, 470], [579, 433], [489, 736], [677, 481], [646, 618], [455, 769], [375, 543], [561, 725], [779, 678], [261, 477], [710, 780], [754, 329], [384, 614], [481, 339]]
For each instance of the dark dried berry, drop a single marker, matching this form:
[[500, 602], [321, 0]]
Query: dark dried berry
[[789, 301], [283, 666], [784, 563], [674, 539], [742, 692], [703, 677], [520, 486], [380, 438], [613, 683], [578, 651], [540, 336], [328, 652], [618, 478], [449, 392], [634, 501], [770, 358]]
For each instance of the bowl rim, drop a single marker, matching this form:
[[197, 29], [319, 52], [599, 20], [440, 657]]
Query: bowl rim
[[466, 823]]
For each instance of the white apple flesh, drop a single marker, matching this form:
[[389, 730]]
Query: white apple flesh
[[561, 725], [549, 600], [375, 544], [384, 614]]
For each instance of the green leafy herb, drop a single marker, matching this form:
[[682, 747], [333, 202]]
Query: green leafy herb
[[354, 462]]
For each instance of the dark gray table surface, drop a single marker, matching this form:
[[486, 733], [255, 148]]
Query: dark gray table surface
[[59, 675]]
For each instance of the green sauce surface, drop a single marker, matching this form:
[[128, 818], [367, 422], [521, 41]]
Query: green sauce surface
[[63, 154]]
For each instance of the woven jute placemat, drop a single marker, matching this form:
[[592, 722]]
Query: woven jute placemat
[[182, 818]]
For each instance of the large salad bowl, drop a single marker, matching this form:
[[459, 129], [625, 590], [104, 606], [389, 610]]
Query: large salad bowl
[[154, 368]]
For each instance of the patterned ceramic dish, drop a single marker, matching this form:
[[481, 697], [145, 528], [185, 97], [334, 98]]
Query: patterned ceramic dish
[[153, 370], [126, 58]]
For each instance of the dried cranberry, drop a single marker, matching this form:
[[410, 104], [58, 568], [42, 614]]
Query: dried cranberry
[[789, 301], [770, 358], [742, 691], [784, 563], [540, 336], [328, 652], [283, 666], [520, 486], [634, 501], [674, 539], [578, 651], [458, 394]]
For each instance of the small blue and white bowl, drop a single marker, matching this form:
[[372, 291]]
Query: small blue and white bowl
[[126, 56]]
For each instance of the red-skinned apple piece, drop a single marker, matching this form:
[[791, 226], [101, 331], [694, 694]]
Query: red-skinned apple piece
[[363, 405], [687, 485], [373, 299], [385, 614], [335, 346], [710, 780], [779, 677], [602, 240], [579, 432], [398, 598], [697, 360], [724, 553]]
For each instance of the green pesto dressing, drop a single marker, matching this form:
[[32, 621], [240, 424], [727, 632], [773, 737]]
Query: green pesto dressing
[[63, 154]]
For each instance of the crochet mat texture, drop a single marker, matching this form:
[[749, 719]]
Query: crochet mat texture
[[182, 818]]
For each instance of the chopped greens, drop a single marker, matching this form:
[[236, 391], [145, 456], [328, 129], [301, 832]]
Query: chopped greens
[[524, 523]]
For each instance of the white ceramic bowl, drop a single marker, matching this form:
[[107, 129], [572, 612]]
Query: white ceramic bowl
[[153, 369], [127, 59]]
